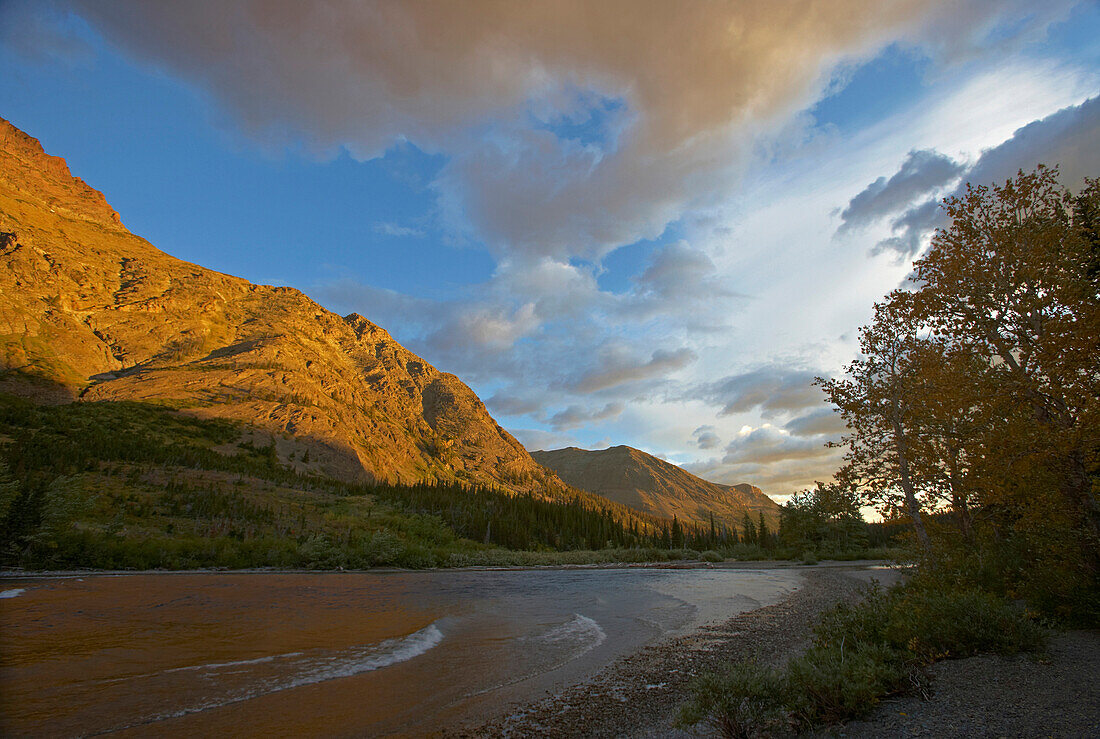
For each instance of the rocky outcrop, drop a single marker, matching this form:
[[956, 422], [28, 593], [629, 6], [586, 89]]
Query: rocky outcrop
[[651, 485], [88, 310]]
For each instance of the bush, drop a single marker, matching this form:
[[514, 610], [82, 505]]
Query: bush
[[832, 683], [933, 625], [747, 700], [860, 653], [865, 622], [712, 556]]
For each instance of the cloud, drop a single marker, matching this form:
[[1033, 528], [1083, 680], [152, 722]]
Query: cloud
[[618, 365], [484, 327], [921, 173], [393, 229], [773, 459], [512, 405], [825, 421], [774, 389], [706, 437], [911, 230], [768, 445], [681, 279], [681, 95], [1069, 138], [537, 439], [42, 30], [575, 416], [777, 479]]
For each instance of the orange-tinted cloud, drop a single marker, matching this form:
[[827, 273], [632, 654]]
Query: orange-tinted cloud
[[699, 81]]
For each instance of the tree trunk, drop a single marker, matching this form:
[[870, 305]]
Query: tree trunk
[[958, 496], [912, 505]]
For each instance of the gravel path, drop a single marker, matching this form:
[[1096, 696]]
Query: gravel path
[[640, 695], [1050, 695]]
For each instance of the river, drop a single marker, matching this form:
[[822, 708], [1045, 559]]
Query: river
[[335, 654]]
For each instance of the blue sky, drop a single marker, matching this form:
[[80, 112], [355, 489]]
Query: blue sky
[[652, 234]]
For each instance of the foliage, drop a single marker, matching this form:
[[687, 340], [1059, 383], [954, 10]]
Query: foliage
[[829, 684], [974, 411], [746, 700], [860, 653], [825, 519], [877, 402], [133, 485], [972, 417]]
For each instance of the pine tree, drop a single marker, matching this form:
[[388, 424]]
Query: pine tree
[[748, 529]]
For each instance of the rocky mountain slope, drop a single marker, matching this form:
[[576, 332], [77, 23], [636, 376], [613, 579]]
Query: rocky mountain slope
[[89, 310], [651, 485]]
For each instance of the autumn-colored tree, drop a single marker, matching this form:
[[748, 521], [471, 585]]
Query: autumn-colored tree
[[978, 391], [1013, 285], [877, 401], [953, 418]]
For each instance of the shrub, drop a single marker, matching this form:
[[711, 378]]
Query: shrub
[[747, 700], [932, 625], [860, 653], [712, 556], [835, 682], [865, 622]]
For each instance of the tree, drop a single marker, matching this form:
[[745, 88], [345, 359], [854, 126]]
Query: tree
[[876, 400], [826, 516], [1014, 282], [748, 529], [10, 489], [953, 419], [762, 533]]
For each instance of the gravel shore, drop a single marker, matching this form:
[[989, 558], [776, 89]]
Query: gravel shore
[[1055, 694], [639, 696]]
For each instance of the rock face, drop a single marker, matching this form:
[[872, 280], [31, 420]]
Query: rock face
[[651, 485], [89, 310]]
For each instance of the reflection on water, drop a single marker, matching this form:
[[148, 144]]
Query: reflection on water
[[331, 653]]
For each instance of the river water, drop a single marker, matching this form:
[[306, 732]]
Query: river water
[[335, 654]]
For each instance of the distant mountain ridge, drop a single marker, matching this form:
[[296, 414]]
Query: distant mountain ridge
[[649, 484], [89, 310]]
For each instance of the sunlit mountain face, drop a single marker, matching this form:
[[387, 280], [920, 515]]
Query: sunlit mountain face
[[619, 228]]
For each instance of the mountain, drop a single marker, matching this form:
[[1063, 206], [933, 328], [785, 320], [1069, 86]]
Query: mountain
[[651, 485], [88, 310]]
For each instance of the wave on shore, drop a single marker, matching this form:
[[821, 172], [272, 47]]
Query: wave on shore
[[224, 683]]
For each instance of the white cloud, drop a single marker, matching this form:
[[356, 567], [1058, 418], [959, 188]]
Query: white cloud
[[392, 229], [706, 437], [540, 440], [773, 389], [825, 421], [577, 415], [470, 79]]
